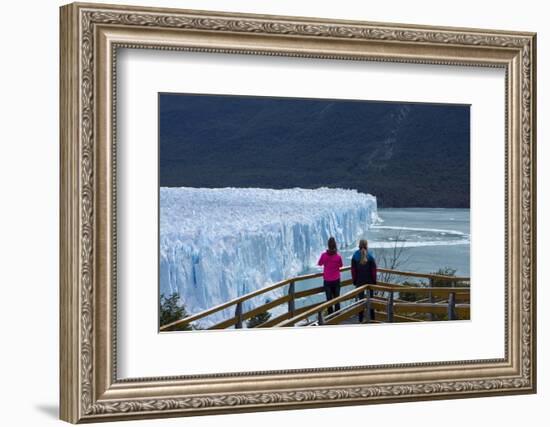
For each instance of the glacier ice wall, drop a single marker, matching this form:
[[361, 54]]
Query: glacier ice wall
[[218, 244]]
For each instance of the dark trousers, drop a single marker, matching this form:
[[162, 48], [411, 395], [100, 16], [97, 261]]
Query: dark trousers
[[361, 297], [332, 290]]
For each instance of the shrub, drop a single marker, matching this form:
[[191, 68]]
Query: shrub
[[171, 310]]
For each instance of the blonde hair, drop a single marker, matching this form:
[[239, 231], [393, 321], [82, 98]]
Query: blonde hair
[[363, 247]]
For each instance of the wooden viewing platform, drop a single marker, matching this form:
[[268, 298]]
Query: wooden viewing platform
[[379, 303]]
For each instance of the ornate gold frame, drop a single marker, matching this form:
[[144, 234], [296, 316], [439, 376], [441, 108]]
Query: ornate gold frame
[[90, 36]]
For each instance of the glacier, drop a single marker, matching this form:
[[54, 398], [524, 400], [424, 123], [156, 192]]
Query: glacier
[[218, 244]]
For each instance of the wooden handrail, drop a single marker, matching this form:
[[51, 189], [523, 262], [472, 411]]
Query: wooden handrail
[[320, 307], [411, 307], [284, 316], [301, 294], [319, 289], [435, 291], [425, 275], [401, 306], [395, 272], [356, 308], [247, 315], [226, 304]]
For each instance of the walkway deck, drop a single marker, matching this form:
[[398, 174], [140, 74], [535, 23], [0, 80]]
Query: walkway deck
[[440, 298]]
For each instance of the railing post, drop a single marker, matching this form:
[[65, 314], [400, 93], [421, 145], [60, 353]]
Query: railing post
[[432, 299], [451, 312], [239, 315], [320, 318], [291, 305], [389, 307], [370, 310]]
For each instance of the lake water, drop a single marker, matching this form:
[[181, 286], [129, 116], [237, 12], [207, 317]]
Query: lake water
[[428, 238]]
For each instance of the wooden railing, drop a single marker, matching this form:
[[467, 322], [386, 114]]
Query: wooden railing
[[377, 300]]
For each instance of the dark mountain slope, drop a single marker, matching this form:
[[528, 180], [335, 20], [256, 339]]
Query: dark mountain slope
[[405, 154]]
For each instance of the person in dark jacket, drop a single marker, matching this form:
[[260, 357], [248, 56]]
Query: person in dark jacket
[[363, 269]]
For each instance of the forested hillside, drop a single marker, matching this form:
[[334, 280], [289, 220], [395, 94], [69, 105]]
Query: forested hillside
[[407, 155]]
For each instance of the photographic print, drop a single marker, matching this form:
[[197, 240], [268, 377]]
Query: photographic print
[[311, 212], [316, 197]]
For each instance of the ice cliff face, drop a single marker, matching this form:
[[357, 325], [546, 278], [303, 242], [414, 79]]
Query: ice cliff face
[[218, 244]]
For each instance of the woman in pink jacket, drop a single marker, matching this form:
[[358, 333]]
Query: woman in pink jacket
[[331, 262]]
